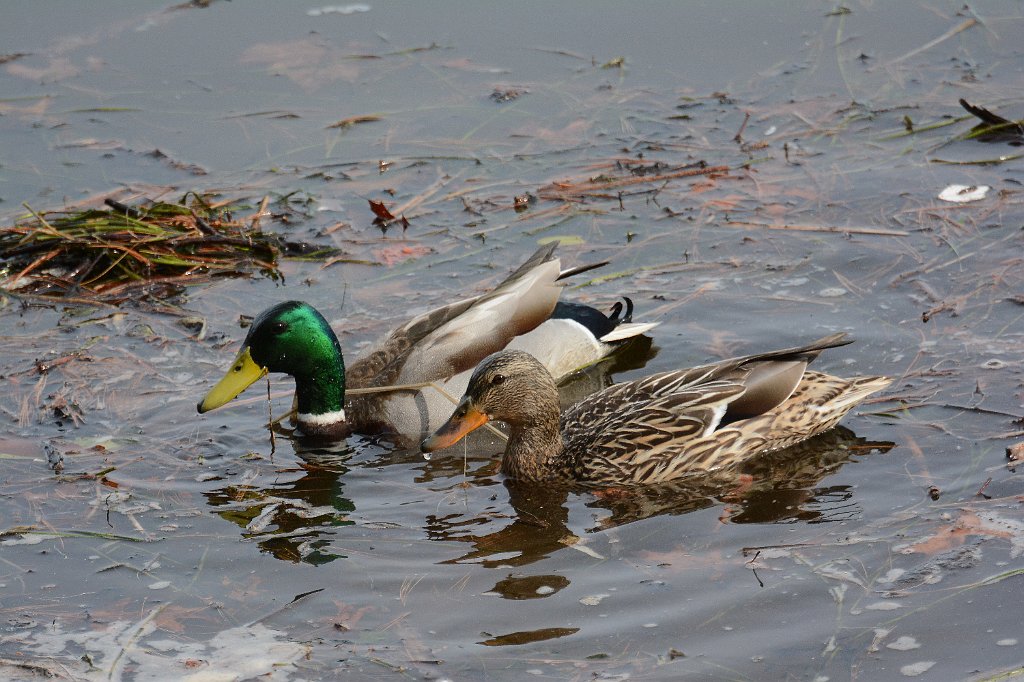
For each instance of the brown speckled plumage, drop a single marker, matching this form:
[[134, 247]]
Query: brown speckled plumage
[[663, 427]]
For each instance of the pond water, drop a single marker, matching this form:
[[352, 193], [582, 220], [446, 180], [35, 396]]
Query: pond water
[[758, 175]]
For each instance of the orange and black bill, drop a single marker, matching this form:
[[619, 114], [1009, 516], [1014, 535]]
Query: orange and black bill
[[466, 419]]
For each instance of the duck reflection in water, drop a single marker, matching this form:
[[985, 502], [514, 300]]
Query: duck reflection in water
[[300, 514], [770, 489]]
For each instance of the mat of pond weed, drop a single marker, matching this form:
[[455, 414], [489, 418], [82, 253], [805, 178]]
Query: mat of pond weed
[[757, 176]]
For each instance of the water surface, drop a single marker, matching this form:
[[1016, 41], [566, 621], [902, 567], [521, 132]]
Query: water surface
[[202, 548]]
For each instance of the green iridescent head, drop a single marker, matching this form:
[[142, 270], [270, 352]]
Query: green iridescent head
[[293, 338]]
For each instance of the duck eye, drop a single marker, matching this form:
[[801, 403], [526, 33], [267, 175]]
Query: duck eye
[[497, 379], [278, 328]]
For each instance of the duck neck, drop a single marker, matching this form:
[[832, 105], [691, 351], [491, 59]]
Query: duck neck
[[320, 394], [535, 445]]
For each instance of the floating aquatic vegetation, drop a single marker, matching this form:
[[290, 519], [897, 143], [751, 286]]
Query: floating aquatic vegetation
[[110, 255]]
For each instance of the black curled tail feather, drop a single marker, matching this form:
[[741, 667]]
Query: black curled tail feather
[[618, 308], [593, 319]]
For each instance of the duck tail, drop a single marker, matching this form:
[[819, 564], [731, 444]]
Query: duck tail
[[858, 389], [627, 330], [807, 352], [621, 316], [565, 274], [614, 327], [547, 253]]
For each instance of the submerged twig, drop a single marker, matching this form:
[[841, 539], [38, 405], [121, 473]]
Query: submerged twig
[[296, 599], [561, 190], [820, 228], [140, 631], [932, 43]]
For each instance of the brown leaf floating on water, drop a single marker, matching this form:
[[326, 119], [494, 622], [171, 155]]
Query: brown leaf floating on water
[[380, 210], [385, 217]]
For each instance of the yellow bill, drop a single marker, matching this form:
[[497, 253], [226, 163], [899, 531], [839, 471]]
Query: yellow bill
[[465, 420], [243, 373]]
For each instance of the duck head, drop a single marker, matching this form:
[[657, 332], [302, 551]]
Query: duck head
[[509, 386], [293, 338]]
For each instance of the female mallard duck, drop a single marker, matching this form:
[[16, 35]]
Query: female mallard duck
[[659, 428], [440, 346]]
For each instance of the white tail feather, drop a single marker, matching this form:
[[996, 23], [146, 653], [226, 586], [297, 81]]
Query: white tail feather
[[628, 330]]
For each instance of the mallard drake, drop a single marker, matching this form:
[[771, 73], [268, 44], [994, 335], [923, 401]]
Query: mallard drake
[[663, 427], [440, 346]]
